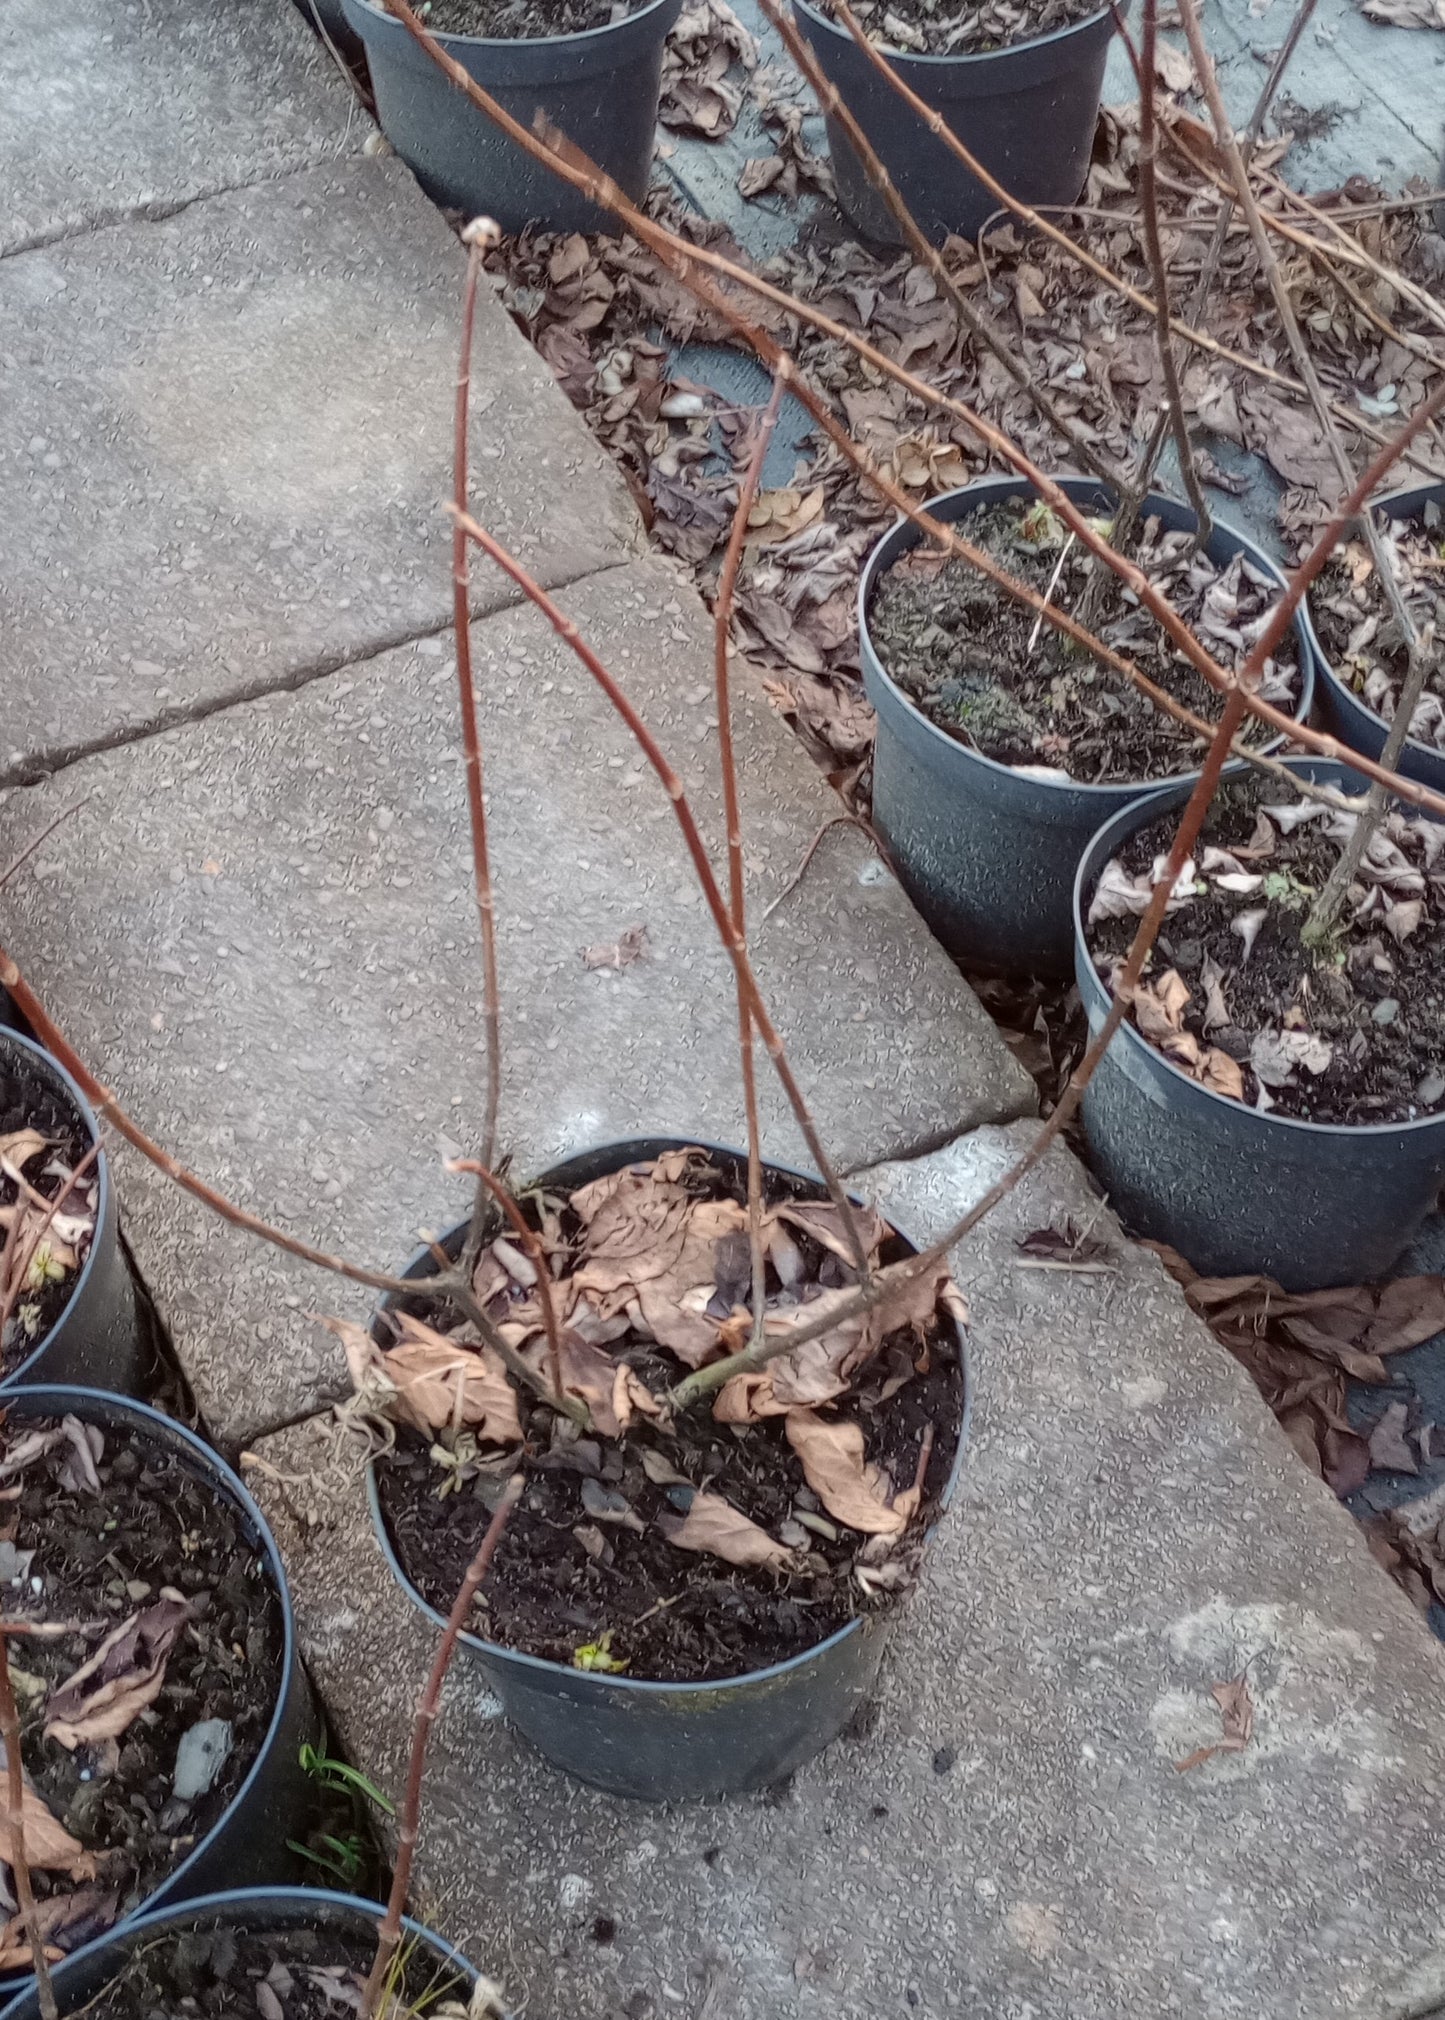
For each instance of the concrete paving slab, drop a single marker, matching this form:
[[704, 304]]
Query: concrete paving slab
[[228, 437], [1012, 1836], [114, 108], [261, 932]]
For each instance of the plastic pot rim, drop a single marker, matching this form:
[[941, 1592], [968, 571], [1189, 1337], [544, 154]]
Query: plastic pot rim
[[941, 60], [1412, 498], [651, 1686], [1116, 829], [49, 1063], [583, 38], [239, 1899], [873, 663], [55, 1399]]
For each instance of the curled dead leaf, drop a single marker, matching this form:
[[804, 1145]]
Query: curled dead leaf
[[857, 1494], [713, 1525], [430, 1381], [124, 1675]]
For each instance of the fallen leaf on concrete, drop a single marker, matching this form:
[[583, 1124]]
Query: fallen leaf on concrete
[[1390, 1450], [629, 946], [713, 1525], [1406, 13], [1052, 1248], [124, 1675], [1236, 1709], [857, 1494]]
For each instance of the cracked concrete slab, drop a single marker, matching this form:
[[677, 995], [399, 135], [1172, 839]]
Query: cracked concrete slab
[[260, 930], [229, 439], [111, 107], [1012, 1835]]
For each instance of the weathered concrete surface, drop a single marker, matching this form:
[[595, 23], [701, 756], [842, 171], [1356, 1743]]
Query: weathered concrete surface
[[1012, 1838], [109, 108], [229, 437], [261, 932]]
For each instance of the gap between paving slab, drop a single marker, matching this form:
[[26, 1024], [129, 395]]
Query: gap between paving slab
[[1009, 1837], [260, 930], [232, 439], [114, 108]]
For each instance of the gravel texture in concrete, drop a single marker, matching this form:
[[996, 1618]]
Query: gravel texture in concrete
[[260, 929], [1012, 1835], [123, 108], [230, 439]]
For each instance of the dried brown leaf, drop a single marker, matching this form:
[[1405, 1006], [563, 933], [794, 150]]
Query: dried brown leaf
[[855, 1493], [713, 1525], [124, 1675]]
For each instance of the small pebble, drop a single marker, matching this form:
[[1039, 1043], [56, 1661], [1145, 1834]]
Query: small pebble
[[1430, 1090], [201, 1755], [1386, 1010]]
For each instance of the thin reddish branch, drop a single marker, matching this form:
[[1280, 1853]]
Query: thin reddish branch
[[428, 1706], [15, 1819], [727, 764], [536, 1252], [481, 235], [731, 937]]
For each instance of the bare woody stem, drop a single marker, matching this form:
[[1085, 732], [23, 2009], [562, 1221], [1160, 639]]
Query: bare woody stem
[[733, 941], [889, 1281], [428, 1706], [536, 1252], [683, 258], [480, 235], [979, 326], [732, 813], [1198, 339], [15, 1849]]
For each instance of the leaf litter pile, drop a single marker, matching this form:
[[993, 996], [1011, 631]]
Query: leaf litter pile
[[1321, 1359], [923, 28], [48, 1194], [148, 1673], [1358, 630], [985, 670], [733, 1535], [608, 319], [1233, 997], [228, 1972]]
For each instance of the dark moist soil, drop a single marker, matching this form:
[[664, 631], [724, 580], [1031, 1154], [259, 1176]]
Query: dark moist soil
[[1391, 1071], [517, 20], [918, 28], [209, 1973], [102, 1557], [28, 1101], [674, 1616], [958, 647], [1337, 608]]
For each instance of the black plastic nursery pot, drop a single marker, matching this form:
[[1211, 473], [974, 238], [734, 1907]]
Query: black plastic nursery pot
[[247, 1843], [1310, 1204], [600, 87], [677, 1742], [985, 852], [1344, 712], [81, 1978], [95, 1341], [1027, 113]]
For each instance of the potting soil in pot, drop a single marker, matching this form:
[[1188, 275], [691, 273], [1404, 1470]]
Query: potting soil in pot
[[234, 1973], [141, 1719], [1357, 628], [761, 1521], [508, 20], [984, 669], [918, 29], [42, 1141], [1352, 1034]]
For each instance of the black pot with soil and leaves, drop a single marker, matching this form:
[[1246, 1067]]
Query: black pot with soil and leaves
[[161, 1700], [1270, 1109], [687, 1608], [595, 78], [1018, 84], [1358, 654], [297, 1951], [1001, 746], [68, 1304]]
